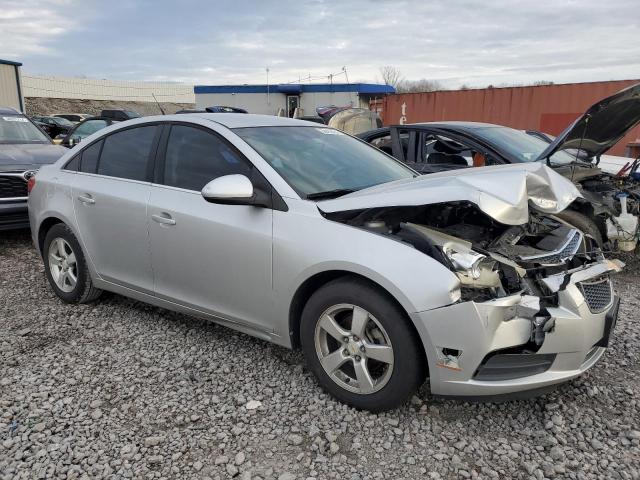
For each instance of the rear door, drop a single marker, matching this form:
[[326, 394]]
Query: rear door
[[110, 196], [211, 257]]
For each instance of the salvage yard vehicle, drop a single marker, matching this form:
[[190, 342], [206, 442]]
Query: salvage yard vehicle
[[611, 164], [611, 204], [119, 115], [83, 129], [73, 117], [57, 126], [23, 149], [307, 237]]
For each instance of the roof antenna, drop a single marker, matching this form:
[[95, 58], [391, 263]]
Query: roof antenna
[[158, 103]]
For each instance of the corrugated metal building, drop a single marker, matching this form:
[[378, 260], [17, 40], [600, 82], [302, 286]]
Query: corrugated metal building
[[549, 108], [268, 99], [10, 88], [111, 90]]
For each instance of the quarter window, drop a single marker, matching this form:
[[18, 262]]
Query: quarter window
[[126, 153], [90, 155], [195, 157]]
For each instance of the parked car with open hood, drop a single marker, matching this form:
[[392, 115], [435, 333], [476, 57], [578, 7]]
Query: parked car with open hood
[[24, 148], [612, 202], [611, 164], [307, 237]]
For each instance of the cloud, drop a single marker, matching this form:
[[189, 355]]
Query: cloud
[[230, 41], [28, 26]]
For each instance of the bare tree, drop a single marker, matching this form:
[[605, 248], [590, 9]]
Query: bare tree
[[391, 76], [422, 85], [540, 83]]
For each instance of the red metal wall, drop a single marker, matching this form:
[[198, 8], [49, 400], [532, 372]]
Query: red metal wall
[[549, 108]]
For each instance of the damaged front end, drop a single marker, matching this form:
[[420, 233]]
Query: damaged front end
[[616, 204], [535, 304]]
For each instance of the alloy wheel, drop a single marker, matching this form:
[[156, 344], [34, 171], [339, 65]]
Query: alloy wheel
[[354, 349], [62, 264]]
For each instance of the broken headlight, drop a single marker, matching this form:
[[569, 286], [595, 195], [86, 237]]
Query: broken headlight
[[466, 263], [473, 269]]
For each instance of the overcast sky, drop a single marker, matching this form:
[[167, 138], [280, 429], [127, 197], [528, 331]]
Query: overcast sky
[[227, 42]]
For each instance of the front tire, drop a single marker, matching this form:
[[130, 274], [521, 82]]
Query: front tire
[[66, 267], [360, 345], [583, 223]]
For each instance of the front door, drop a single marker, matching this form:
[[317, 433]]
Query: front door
[[210, 257], [293, 102], [110, 194]]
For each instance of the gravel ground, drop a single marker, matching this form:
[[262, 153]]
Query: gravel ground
[[118, 389]]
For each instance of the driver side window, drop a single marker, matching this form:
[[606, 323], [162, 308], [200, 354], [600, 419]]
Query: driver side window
[[194, 157], [437, 149]]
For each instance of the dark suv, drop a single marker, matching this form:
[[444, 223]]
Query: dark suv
[[120, 115], [23, 149]]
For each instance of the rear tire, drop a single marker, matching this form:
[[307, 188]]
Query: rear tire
[[583, 223], [360, 345], [66, 267]]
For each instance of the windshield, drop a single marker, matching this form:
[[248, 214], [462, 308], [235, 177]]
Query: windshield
[[316, 160], [18, 129], [520, 145]]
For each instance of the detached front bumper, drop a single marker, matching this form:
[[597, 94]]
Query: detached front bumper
[[475, 349]]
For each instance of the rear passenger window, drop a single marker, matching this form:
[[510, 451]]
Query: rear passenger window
[[195, 157], [126, 153], [89, 160]]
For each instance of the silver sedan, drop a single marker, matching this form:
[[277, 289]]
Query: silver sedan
[[307, 237]]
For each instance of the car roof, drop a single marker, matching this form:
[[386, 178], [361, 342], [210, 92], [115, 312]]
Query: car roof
[[240, 120], [452, 124]]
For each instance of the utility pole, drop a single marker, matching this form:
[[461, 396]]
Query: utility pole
[[268, 99]]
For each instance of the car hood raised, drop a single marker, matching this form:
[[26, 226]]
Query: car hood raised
[[503, 192], [601, 126], [16, 156]]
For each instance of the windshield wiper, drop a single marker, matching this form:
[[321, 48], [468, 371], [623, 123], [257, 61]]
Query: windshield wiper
[[338, 192]]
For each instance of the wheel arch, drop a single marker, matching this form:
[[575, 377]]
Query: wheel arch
[[316, 281], [44, 228]]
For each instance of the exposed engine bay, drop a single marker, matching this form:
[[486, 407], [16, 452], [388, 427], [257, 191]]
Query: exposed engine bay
[[490, 259], [616, 200]]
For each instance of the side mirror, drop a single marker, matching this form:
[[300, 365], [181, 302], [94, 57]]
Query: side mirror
[[72, 141], [230, 190]]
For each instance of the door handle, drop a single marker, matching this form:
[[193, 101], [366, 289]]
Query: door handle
[[164, 219], [86, 199]]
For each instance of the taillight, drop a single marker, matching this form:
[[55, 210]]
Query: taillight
[[31, 183]]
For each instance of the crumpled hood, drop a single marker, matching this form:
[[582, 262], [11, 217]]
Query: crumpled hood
[[503, 192], [601, 126], [18, 156]]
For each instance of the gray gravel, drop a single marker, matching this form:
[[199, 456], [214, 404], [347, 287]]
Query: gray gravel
[[119, 389]]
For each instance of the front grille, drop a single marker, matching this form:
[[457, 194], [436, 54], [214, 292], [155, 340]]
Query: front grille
[[12, 186], [561, 255], [597, 293]]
